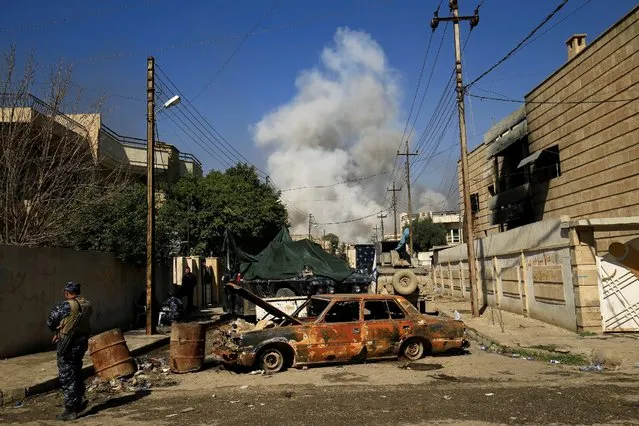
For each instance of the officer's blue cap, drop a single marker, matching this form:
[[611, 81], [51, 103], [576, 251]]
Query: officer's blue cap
[[72, 287]]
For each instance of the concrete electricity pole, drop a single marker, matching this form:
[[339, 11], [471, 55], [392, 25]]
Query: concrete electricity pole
[[376, 228], [310, 224], [468, 214], [381, 218], [150, 191], [394, 207], [410, 205]]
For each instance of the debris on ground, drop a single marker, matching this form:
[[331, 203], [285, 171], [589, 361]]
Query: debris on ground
[[188, 410], [222, 336], [554, 361], [594, 367], [152, 372]]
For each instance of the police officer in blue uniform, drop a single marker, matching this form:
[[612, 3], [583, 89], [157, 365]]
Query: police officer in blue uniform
[[70, 321]]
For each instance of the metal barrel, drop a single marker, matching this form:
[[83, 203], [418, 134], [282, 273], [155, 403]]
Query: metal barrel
[[187, 347], [110, 355]]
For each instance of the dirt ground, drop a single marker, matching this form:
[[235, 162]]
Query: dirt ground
[[476, 388]]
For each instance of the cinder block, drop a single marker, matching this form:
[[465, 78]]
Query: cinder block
[[583, 255], [588, 317], [585, 276], [587, 296]]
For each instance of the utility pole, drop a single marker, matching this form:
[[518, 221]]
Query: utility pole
[[268, 180], [381, 217], [150, 191], [310, 224], [468, 214], [410, 205], [376, 228], [394, 207]]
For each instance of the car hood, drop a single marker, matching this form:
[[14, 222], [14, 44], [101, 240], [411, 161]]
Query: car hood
[[244, 293]]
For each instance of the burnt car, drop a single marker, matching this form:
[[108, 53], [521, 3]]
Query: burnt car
[[339, 328]]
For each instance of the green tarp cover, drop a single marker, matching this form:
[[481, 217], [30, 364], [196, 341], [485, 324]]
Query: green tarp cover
[[284, 258]]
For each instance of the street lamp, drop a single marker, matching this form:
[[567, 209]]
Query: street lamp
[[171, 102]]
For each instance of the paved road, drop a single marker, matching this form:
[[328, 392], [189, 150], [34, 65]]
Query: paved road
[[478, 388]]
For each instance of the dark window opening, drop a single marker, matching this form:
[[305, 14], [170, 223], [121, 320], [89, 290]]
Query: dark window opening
[[343, 312], [548, 165], [395, 311], [474, 202], [375, 310]]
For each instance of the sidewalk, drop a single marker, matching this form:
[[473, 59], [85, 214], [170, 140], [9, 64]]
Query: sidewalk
[[620, 351], [37, 373]]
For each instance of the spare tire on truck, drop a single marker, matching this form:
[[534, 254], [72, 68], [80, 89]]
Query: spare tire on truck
[[405, 282]]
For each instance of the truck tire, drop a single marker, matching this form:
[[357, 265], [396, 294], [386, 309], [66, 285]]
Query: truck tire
[[285, 292], [404, 282]]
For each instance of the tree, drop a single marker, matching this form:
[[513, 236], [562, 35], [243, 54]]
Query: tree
[[334, 239], [427, 234], [49, 167], [120, 228], [200, 209]]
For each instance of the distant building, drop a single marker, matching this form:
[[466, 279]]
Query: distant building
[[451, 220], [109, 149]]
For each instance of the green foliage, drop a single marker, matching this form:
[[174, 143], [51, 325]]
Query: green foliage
[[334, 239], [427, 234], [190, 220], [199, 209]]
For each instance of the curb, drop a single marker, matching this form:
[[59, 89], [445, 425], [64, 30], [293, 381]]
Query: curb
[[11, 395]]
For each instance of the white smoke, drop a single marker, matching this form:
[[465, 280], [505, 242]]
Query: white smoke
[[341, 125]]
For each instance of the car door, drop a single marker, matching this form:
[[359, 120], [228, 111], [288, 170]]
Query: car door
[[378, 329], [402, 323], [337, 334]]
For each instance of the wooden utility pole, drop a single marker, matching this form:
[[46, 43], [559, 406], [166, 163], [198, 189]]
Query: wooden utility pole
[[468, 214], [394, 207], [381, 218], [150, 192], [410, 204], [310, 224]]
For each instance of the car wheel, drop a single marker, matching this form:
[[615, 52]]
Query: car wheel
[[405, 282], [272, 360], [413, 350], [285, 292]]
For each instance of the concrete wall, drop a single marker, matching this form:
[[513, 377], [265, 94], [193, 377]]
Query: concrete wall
[[527, 270], [32, 281]]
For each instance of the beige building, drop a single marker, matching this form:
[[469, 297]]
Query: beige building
[[573, 148], [554, 193], [451, 220], [108, 148]]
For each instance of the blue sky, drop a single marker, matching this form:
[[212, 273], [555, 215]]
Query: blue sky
[[107, 43]]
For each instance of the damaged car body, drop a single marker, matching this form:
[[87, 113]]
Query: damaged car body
[[340, 328]]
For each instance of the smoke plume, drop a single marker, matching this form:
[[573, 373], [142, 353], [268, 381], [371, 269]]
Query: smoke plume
[[342, 124]]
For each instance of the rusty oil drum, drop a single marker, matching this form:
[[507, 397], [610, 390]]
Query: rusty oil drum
[[110, 355], [187, 347]]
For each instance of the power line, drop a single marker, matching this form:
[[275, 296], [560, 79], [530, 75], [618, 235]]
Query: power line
[[223, 38], [353, 220], [58, 21], [237, 48], [519, 45], [490, 98]]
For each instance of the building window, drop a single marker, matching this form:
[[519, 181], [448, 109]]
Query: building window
[[452, 237], [548, 166], [474, 202]]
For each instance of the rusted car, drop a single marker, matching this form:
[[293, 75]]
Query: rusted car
[[340, 328]]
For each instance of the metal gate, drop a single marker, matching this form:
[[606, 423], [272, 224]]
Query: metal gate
[[619, 291]]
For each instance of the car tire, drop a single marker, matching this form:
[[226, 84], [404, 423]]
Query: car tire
[[285, 292], [405, 282], [272, 360], [413, 349]]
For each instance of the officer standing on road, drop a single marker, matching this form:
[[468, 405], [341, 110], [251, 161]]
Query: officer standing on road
[[70, 320]]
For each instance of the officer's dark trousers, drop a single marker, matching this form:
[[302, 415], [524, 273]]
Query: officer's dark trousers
[[70, 371]]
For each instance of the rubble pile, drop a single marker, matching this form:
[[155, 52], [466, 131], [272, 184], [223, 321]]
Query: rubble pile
[[152, 372], [222, 336]]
